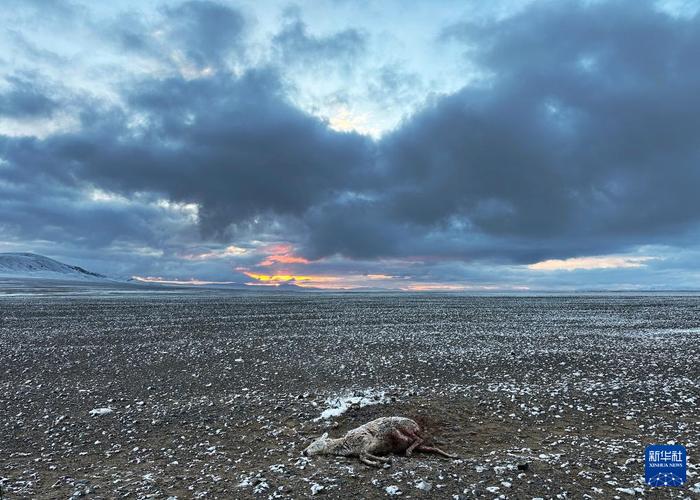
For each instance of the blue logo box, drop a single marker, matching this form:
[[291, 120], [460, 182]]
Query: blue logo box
[[665, 465]]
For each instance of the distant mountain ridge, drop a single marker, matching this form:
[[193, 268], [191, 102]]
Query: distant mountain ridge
[[31, 265]]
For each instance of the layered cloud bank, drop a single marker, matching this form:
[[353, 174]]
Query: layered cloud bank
[[213, 141]]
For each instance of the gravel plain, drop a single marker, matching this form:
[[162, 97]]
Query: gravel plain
[[196, 394]]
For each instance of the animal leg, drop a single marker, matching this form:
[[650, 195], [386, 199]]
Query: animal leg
[[400, 441], [418, 441], [401, 438], [380, 459], [369, 462], [433, 449]]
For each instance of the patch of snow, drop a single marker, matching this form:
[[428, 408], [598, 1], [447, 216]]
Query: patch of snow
[[424, 485], [245, 483], [315, 488], [392, 490], [340, 404], [98, 412], [261, 486]]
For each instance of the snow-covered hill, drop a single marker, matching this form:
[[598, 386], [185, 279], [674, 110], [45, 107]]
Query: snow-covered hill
[[31, 265]]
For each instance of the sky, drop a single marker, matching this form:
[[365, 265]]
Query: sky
[[508, 145]]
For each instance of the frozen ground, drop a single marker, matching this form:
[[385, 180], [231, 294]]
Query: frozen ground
[[197, 396]]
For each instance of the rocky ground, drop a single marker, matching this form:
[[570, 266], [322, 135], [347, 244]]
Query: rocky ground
[[195, 395]]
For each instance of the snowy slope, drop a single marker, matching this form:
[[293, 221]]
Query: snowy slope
[[30, 265]]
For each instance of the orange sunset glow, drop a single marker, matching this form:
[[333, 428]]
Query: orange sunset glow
[[328, 282], [283, 259], [278, 278], [281, 253]]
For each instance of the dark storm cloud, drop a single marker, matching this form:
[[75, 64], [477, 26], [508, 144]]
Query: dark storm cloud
[[237, 148], [24, 98], [58, 213], [352, 227], [587, 129], [582, 139], [234, 146]]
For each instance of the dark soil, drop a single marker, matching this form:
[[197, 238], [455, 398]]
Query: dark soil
[[214, 396]]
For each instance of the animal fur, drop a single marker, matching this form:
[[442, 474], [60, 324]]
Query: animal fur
[[378, 437]]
